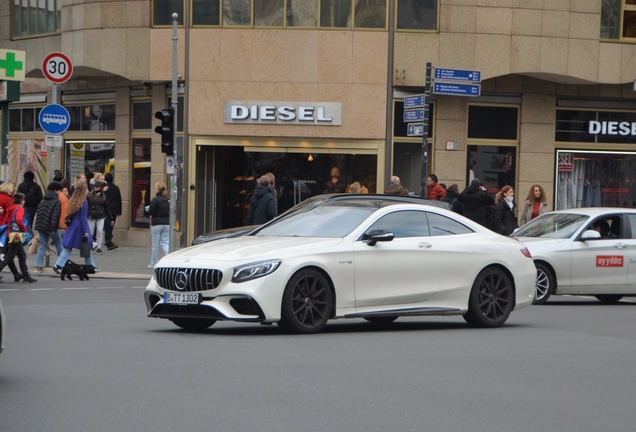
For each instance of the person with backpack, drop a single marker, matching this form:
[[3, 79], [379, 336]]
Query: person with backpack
[[98, 211], [32, 196], [16, 231], [7, 189], [47, 223]]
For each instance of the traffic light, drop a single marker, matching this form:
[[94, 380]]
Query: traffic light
[[166, 130]]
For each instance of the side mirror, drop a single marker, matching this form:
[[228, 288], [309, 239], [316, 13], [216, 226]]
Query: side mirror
[[377, 236], [590, 234]]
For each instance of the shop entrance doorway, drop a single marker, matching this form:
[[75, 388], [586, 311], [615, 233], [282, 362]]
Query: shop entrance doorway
[[227, 176]]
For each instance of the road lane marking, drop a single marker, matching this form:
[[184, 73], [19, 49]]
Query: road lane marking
[[76, 288], [8, 289], [42, 289]]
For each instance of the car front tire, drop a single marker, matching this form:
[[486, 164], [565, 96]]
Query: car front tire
[[307, 303], [545, 284], [609, 298], [193, 324], [491, 299]]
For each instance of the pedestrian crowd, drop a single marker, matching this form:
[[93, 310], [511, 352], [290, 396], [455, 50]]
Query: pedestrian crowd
[[79, 216]]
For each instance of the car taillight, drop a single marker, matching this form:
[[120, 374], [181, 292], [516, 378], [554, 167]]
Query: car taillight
[[526, 252]]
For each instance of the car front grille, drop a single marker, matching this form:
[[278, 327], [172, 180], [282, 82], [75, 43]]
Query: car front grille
[[187, 279]]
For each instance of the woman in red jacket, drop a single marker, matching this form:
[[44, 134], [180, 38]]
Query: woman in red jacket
[[7, 189]]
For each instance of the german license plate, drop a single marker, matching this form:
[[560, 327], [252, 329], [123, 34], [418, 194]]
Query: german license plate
[[181, 298]]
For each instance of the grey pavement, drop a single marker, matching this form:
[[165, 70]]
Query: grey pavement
[[125, 262]]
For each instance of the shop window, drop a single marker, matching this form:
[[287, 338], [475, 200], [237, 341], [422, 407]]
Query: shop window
[[595, 179], [163, 10], [370, 14], [493, 122], [417, 14], [237, 13], [142, 115], [141, 188], [494, 166], [335, 13], [36, 17], [596, 126], [15, 120], [618, 19], [27, 155], [269, 13], [89, 156], [206, 12]]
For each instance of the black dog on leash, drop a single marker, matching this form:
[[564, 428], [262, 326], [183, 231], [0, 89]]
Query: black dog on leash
[[70, 268]]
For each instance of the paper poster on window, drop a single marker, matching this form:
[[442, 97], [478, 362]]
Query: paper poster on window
[[27, 155]]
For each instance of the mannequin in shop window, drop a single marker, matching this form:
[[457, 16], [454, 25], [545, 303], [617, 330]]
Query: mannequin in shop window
[[334, 185]]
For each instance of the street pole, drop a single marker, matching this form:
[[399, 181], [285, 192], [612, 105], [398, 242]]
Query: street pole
[[51, 150], [173, 178], [425, 128]]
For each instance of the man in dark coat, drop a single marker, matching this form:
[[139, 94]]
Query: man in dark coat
[[32, 197], [396, 188], [475, 199], [113, 196], [262, 206], [47, 223]]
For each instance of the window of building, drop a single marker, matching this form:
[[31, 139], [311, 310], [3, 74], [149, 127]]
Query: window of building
[[163, 10], [493, 122], [416, 14], [618, 19], [36, 17], [89, 156], [346, 14], [142, 115], [94, 117], [596, 126], [24, 119]]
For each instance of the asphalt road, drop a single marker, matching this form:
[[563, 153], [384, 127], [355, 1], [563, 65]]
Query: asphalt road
[[83, 357]]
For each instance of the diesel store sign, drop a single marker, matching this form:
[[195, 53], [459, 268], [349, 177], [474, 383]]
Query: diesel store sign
[[284, 113]]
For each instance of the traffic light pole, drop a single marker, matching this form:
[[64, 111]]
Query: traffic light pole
[[172, 238], [425, 130]]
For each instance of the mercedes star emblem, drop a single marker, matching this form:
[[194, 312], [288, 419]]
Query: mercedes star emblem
[[181, 280]]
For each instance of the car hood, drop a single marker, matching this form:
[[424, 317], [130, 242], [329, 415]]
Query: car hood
[[249, 248], [538, 243]]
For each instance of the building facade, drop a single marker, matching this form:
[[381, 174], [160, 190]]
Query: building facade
[[305, 89]]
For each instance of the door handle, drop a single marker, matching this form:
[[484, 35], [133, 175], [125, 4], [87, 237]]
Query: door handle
[[620, 245], [425, 245]]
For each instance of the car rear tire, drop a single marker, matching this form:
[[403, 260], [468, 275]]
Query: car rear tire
[[609, 298], [545, 284], [193, 324], [307, 303], [381, 320], [491, 299]]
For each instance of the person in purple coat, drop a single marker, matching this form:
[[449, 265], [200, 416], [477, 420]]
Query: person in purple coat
[[77, 229]]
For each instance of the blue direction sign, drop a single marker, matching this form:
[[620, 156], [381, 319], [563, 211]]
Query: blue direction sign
[[415, 129], [456, 89], [416, 101], [54, 119], [457, 75], [416, 115]]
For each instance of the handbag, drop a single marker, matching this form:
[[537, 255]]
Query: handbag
[[69, 218], [85, 248]]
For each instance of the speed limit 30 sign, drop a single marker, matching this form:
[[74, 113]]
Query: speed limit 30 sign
[[57, 67]]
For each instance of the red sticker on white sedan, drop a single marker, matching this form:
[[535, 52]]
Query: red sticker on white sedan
[[609, 260]]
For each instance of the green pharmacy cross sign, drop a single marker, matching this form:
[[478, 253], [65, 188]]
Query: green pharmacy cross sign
[[12, 65]]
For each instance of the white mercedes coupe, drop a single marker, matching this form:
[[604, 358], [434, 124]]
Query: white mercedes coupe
[[376, 257]]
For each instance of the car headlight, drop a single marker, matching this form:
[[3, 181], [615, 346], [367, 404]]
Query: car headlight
[[255, 270]]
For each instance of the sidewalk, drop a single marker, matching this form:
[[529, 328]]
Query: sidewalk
[[125, 262]]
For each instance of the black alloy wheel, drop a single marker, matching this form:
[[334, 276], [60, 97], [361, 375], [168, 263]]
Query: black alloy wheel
[[609, 298], [491, 299], [545, 284], [307, 302], [192, 324]]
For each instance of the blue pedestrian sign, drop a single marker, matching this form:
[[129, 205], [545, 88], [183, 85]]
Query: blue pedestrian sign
[[416, 115], [457, 89], [458, 75], [416, 101], [54, 119]]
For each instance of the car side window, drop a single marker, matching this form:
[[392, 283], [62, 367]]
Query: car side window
[[609, 226], [442, 226], [402, 224], [632, 223]]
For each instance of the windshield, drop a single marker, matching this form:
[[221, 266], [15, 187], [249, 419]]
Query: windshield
[[552, 225], [320, 221]]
